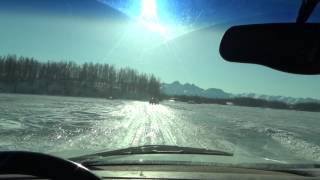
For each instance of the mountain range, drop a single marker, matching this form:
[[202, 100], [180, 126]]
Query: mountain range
[[176, 88]]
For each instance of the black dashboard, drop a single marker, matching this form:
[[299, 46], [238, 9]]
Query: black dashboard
[[186, 172]]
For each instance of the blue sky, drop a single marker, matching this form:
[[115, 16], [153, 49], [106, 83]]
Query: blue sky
[[175, 41]]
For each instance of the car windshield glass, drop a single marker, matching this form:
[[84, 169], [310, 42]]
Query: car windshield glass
[[84, 76]]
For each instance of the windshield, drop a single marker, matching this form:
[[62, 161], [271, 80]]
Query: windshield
[[83, 76]]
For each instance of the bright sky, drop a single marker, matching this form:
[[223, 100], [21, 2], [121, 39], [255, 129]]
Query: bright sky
[[149, 17], [156, 37]]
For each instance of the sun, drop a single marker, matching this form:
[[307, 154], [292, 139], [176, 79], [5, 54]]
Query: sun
[[149, 17], [149, 9]]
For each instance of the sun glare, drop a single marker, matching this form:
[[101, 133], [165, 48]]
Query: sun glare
[[149, 9], [149, 17]]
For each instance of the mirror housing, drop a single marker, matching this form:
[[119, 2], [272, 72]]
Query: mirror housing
[[287, 47]]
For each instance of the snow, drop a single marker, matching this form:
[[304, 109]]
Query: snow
[[70, 126]]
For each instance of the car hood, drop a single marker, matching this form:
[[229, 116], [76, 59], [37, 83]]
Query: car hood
[[187, 159]]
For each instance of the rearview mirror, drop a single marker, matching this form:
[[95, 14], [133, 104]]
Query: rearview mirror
[[288, 47]]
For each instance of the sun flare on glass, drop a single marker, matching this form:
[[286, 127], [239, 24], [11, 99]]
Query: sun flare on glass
[[149, 8], [149, 17]]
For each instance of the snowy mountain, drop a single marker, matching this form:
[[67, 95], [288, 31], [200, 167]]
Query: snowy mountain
[[289, 100], [176, 88]]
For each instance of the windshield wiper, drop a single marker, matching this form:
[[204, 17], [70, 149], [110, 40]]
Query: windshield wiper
[[152, 149]]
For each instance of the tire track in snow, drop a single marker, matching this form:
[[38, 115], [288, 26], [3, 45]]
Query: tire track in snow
[[135, 123], [145, 124]]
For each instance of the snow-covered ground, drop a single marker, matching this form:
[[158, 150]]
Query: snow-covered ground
[[70, 126]]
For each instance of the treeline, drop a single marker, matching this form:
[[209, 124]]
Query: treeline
[[248, 102], [28, 75]]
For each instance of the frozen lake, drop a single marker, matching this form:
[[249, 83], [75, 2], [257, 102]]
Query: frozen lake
[[70, 126]]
